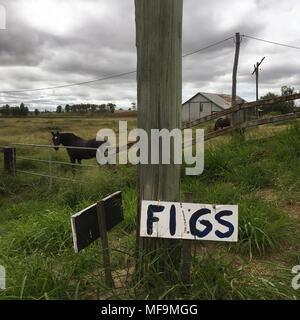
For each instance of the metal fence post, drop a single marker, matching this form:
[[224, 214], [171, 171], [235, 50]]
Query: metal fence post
[[14, 162], [50, 166]]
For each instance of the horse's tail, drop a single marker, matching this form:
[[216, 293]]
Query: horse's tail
[[96, 144]]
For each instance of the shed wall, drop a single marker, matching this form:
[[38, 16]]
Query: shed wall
[[198, 107]]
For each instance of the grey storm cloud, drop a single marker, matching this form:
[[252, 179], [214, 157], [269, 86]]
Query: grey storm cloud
[[57, 42]]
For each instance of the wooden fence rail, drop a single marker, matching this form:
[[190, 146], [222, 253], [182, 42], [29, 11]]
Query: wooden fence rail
[[240, 106], [252, 123], [283, 117], [10, 152]]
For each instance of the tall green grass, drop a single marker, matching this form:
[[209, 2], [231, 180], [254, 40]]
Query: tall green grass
[[262, 228], [36, 241]]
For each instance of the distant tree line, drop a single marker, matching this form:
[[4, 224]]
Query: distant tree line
[[87, 107], [282, 107], [22, 110], [14, 111]]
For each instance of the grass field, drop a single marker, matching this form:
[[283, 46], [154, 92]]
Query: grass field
[[259, 173]]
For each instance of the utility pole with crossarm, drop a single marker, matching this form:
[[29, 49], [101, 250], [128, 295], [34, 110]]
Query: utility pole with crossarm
[[256, 71]]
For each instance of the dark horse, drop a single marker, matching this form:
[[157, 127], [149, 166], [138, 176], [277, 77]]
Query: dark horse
[[221, 123], [70, 139]]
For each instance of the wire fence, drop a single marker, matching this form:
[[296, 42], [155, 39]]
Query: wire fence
[[50, 160], [11, 157]]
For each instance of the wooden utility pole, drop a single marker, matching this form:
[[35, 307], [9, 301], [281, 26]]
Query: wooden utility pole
[[256, 71], [159, 85], [235, 67], [236, 115]]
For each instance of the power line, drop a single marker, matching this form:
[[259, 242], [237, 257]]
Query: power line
[[277, 43], [211, 45], [70, 85], [106, 78], [131, 72]]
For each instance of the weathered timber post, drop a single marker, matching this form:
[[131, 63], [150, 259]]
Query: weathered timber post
[[10, 159], [159, 85], [235, 66], [186, 248], [237, 116], [104, 242]]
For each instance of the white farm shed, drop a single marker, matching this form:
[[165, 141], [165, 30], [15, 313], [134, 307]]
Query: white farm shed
[[203, 104]]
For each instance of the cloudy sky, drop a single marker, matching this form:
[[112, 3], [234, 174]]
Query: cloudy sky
[[56, 42]]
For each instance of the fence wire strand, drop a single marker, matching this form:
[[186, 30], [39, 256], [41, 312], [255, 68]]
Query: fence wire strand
[[50, 161]]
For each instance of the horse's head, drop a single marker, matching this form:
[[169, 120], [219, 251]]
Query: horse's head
[[56, 139]]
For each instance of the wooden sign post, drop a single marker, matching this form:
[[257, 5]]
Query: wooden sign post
[[94, 222], [104, 241], [186, 248]]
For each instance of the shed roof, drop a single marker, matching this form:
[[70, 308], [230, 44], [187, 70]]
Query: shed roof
[[224, 101]]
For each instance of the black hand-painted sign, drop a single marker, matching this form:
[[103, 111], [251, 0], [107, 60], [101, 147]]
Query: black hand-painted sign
[[85, 224]]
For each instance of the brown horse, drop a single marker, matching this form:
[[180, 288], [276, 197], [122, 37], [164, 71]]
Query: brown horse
[[221, 123]]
